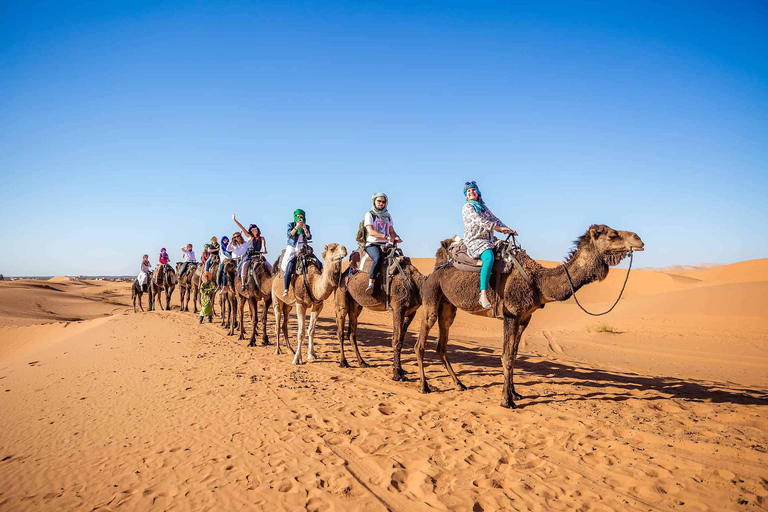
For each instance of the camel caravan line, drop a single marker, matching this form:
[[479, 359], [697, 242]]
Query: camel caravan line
[[519, 286]]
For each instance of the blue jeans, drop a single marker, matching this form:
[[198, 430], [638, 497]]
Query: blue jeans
[[485, 271], [374, 251], [222, 278], [289, 270]]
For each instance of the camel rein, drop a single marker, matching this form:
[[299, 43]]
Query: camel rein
[[631, 254]]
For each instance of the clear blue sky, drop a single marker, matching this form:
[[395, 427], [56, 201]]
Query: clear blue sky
[[128, 126]]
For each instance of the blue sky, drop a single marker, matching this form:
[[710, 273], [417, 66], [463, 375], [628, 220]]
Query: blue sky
[[126, 127]]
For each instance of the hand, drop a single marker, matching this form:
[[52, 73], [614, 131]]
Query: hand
[[234, 218]]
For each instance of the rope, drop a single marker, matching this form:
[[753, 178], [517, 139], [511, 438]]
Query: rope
[[631, 255]]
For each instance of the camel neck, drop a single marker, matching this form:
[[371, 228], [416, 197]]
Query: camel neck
[[582, 270]]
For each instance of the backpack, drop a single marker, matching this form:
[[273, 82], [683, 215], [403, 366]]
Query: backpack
[[362, 234]]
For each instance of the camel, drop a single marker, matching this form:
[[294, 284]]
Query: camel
[[189, 285], [258, 289], [405, 299], [449, 288], [321, 285], [137, 292], [162, 280]]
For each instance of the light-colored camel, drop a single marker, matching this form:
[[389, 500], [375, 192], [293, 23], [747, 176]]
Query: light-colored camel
[[448, 288], [189, 285], [404, 300], [321, 285], [165, 282], [257, 290]]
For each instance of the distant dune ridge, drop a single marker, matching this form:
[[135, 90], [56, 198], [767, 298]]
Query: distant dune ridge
[[681, 268], [659, 405]]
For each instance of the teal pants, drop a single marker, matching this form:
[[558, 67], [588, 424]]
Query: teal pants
[[485, 271]]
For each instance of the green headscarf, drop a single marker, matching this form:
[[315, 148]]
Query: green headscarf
[[296, 213]]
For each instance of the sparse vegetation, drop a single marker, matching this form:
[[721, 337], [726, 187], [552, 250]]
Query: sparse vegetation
[[603, 328]]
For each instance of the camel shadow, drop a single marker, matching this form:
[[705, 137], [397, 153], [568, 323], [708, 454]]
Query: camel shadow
[[599, 383]]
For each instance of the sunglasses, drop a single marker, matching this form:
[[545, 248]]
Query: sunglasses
[[466, 184]]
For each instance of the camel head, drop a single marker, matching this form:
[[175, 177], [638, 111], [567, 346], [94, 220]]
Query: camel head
[[609, 244], [442, 256], [333, 254]]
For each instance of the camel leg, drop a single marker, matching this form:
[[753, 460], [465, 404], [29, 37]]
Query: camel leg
[[264, 337], [446, 315], [253, 307], [277, 308], [286, 314], [168, 296], [141, 306], [428, 319], [195, 298], [518, 338], [508, 360], [398, 333], [354, 313], [341, 315], [241, 313], [301, 311], [311, 355]]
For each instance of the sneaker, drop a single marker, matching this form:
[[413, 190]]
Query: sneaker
[[484, 300], [369, 290], [210, 319], [285, 293], [201, 319]]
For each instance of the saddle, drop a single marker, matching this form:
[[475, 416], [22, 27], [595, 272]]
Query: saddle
[[252, 265], [304, 260], [360, 261], [461, 260]]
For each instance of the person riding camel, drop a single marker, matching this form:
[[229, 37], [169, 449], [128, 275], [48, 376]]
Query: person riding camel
[[256, 245], [189, 257], [145, 269], [298, 236], [213, 248], [479, 225], [164, 264], [381, 230], [224, 255]]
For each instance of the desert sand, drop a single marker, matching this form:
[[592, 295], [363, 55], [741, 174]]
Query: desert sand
[[660, 405]]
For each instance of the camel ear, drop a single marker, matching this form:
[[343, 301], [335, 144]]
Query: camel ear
[[325, 247]]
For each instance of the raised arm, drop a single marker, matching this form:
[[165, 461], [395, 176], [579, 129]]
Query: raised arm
[[242, 228]]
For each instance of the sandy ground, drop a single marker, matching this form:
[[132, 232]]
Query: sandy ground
[[660, 405]]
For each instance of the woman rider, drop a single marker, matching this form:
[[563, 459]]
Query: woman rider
[[378, 223], [256, 245], [224, 255], [479, 225], [213, 248], [298, 235]]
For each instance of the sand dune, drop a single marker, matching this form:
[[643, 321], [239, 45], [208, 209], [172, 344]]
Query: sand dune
[[658, 406]]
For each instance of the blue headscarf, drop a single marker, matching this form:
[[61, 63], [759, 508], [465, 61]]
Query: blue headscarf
[[224, 242], [479, 205]]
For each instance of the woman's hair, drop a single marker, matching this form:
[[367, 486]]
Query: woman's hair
[[214, 239], [146, 256], [254, 226], [162, 250]]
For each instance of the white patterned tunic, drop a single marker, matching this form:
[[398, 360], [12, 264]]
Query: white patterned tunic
[[478, 229]]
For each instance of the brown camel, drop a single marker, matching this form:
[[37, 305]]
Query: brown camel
[[189, 285], [163, 279], [404, 301], [228, 298], [448, 288], [137, 292], [258, 289], [321, 285]]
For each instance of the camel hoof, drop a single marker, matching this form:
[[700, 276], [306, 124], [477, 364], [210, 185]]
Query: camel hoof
[[425, 389], [265, 343], [460, 387], [252, 344], [517, 396], [311, 358], [344, 364], [401, 378], [363, 364], [299, 362], [509, 404]]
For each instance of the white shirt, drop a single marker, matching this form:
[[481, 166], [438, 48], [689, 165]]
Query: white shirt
[[189, 256], [378, 225], [238, 250], [145, 267]]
